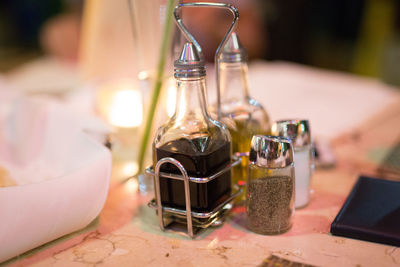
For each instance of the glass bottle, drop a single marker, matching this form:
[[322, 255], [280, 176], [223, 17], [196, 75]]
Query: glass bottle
[[242, 114], [270, 189], [299, 132], [201, 144]]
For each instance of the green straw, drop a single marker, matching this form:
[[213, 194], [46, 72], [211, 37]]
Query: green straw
[[158, 84]]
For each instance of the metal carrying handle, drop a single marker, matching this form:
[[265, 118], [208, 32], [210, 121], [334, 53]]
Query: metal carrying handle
[[191, 39]]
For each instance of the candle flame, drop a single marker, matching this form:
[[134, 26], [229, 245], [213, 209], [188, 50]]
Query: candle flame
[[120, 103], [126, 109]]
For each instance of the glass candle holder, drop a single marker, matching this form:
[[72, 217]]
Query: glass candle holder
[[119, 103]]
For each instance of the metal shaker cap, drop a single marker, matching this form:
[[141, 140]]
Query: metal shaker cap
[[233, 50], [297, 130], [271, 151], [189, 64]]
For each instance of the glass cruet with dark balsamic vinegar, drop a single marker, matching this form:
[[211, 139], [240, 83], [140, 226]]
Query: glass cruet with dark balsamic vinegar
[[243, 115], [201, 144]]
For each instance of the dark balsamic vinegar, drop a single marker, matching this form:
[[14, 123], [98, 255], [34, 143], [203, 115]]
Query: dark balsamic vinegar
[[204, 197]]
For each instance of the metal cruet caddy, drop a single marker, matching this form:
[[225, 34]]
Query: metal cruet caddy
[[192, 154]]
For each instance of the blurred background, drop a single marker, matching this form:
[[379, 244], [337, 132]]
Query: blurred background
[[30, 29], [355, 36]]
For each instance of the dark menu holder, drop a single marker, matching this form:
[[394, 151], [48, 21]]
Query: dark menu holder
[[371, 212]]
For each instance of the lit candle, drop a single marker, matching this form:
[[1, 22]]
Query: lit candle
[[120, 103], [126, 109]]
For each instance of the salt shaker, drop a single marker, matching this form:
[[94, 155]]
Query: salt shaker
[[299, 132], [270, 189]]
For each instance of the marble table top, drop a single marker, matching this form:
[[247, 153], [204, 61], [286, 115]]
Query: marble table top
[[127, 234]]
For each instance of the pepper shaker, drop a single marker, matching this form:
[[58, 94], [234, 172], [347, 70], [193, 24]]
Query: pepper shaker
[[270, 187], [299, 132]]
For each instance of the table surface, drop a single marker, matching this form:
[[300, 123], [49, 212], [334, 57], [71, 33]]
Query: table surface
[[127, 233]]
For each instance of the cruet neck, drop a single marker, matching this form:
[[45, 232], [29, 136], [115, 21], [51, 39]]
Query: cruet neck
[[191, 99], [233, 81]]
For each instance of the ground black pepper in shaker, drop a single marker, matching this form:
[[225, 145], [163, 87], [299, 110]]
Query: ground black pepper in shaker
[[271, 185]]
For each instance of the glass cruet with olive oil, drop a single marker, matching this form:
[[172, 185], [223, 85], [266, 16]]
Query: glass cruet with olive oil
[[243, 115]]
